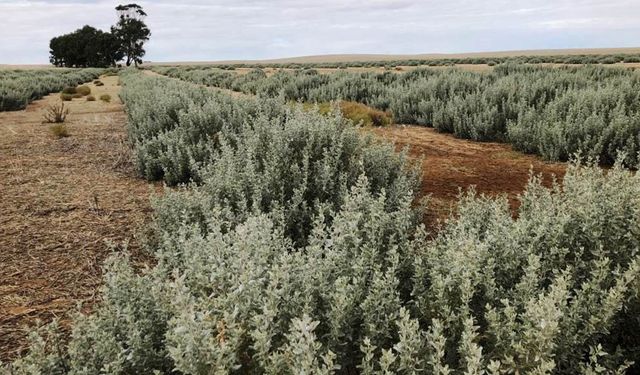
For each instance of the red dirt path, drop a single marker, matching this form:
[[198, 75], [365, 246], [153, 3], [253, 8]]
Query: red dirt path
[[451, 164]]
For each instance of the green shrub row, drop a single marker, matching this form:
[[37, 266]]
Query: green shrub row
[[552, 112], [491, 61], [554, 291], [298, 252], [176, 128], [19, 87]]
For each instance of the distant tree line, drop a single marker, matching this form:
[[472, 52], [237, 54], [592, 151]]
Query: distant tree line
[[90, 47]]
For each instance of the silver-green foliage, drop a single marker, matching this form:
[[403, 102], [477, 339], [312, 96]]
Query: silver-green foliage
[[19, 87], [553, 291], [174, 126], [553, 112], [298, 252]]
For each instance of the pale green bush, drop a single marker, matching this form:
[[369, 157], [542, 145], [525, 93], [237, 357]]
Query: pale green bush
[[298, 252], [173, 125], [18, 88], [553, 291], [553, 112]]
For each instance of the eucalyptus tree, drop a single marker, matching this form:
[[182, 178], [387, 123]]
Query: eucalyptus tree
[[132, 32]]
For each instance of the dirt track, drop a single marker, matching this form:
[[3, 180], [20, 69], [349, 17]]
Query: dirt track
[[61, 201], [450, 164]]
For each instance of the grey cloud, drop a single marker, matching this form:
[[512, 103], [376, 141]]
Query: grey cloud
[[254, 29]]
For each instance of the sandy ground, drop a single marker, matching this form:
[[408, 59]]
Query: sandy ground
[[61, 202]]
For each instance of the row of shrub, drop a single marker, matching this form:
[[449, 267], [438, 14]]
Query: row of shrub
[[176, 127], [577, 59], [19, 87], [551, 111], [299, 252]]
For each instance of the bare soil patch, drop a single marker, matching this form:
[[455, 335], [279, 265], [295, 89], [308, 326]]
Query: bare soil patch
[[451, 165], [61, 202]]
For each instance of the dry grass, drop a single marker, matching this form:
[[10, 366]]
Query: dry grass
[[55, 113], [356, 112], [59, 131], [83, 90], [63, 202], [367, 116]]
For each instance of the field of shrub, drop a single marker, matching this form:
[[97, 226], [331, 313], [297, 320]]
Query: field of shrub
[[550, 111], [20, 87], [577, 59], [297, 249]]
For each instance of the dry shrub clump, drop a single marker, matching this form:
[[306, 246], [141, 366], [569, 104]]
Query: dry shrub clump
[[367, 116], [66, 97], [359, 114], [91, 98], [56, 113], [69, 90], [105, 98], [59, 131], [83, 90]]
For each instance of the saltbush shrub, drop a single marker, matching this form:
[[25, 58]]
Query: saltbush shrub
[[553, 290], [19, 88], [83, 90], [70, 90], [553, 112], [298, 251]]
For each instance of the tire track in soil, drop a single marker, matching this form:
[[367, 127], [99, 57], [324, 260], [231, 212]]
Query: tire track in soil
[[61, 202]]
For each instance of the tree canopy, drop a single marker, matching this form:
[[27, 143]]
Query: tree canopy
[[131, 32], [90, 47], [85, 47]]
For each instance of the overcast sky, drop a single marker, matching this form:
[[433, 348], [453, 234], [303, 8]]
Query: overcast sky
[[191, 30]]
